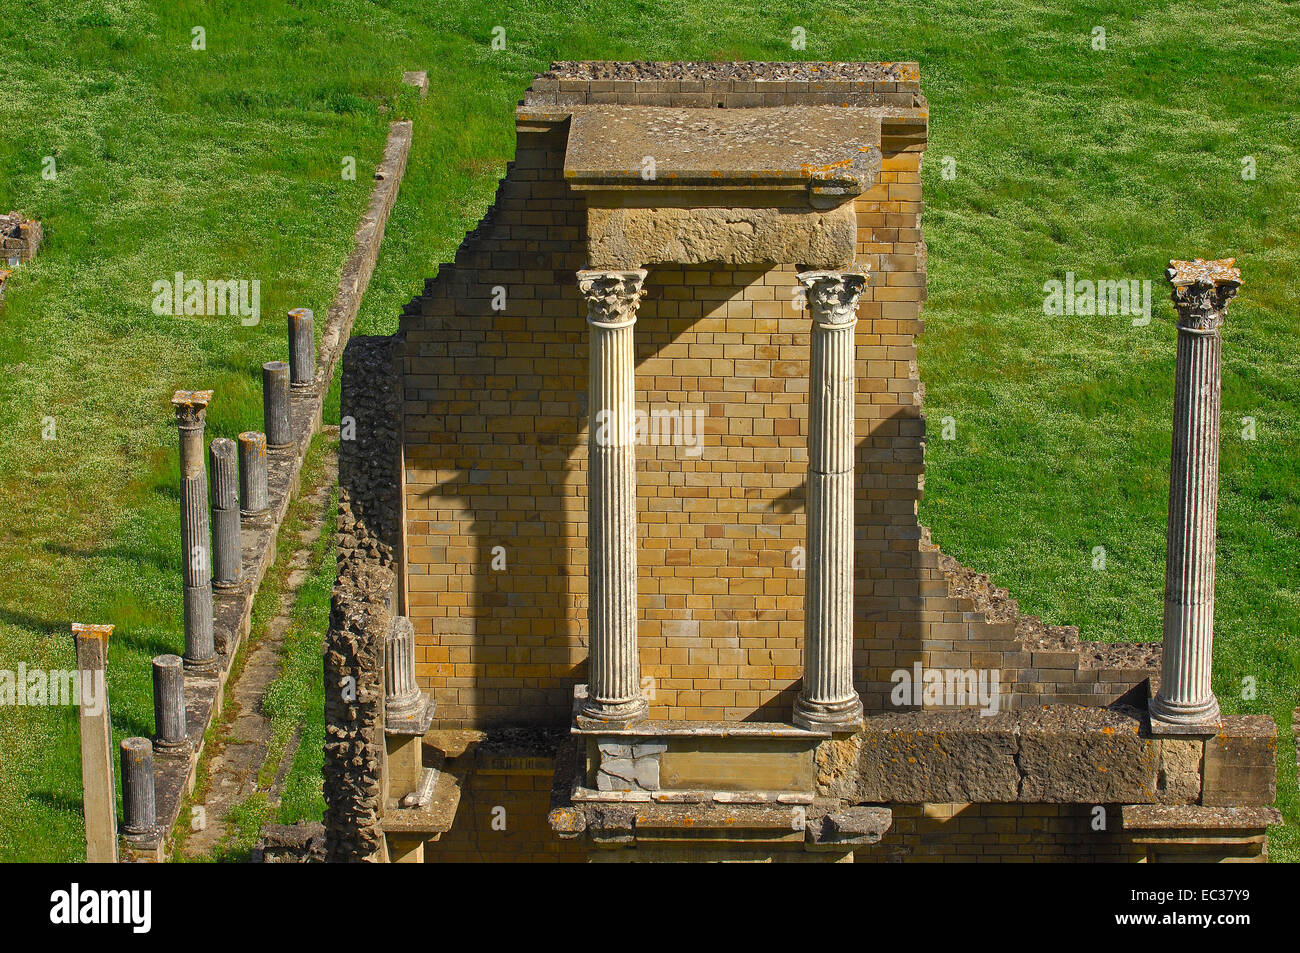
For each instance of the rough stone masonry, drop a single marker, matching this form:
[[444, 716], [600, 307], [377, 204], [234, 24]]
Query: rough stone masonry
[[647, 647], [20, 239]]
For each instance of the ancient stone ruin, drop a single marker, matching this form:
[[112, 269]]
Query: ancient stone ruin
[[20, 239], [630, 565]]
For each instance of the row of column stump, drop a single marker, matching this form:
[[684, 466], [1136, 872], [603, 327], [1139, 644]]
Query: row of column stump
[[212, 558]]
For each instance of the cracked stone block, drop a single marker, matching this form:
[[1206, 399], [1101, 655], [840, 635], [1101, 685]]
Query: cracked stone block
[[628, 774]]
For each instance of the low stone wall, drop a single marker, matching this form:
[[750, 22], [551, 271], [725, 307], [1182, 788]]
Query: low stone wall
[[1055, 754]]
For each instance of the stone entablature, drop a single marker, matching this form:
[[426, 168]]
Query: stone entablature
[[728, 85]]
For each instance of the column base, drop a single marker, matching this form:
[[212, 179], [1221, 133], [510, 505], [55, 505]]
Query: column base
[[614, 712], [202, 668], [828, 716], [172, 749], [1177, 718]]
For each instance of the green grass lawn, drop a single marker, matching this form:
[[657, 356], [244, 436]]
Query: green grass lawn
[[225, 163]]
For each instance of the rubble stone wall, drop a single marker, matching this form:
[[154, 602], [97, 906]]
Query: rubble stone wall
[[364, 599]]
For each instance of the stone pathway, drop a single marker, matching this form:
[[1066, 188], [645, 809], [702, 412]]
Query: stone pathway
[[239, 752]]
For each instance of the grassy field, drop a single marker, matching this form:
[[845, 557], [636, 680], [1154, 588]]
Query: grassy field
[[225, 163]]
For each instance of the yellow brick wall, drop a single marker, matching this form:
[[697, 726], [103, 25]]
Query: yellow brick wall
[[1001, 833], [495, 451]]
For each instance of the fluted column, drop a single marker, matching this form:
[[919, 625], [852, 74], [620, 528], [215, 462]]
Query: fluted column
[[827, 699], [614, 685], [1186, 702], [196, 544], [402, 695]]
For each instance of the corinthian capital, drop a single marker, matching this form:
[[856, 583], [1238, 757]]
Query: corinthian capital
[[612, 296], [833, 295], [1202, 290], [190, 406]]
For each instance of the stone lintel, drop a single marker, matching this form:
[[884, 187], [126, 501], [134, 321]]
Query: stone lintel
[[631, 236], [762, 186]]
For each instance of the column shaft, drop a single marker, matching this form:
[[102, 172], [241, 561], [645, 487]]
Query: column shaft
[[402, 694], [614, 689], [254, 491], [227, 555], [827, 699], [196, 543], [139, 805], [1186, 699]]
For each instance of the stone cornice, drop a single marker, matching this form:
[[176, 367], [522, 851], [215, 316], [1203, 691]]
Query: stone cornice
[[191, 405]]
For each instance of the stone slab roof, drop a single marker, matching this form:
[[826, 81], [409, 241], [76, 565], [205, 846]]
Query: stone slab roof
[[797, 145]]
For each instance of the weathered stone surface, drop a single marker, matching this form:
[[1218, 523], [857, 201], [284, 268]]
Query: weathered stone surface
[[1193, 817], [1241, 762], [837, 766], [778, 145], [852, 826], [300, 843], [633, 237], [1085, 756], [633, 71], [1178, 772], [956, 756], [611, 825]]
